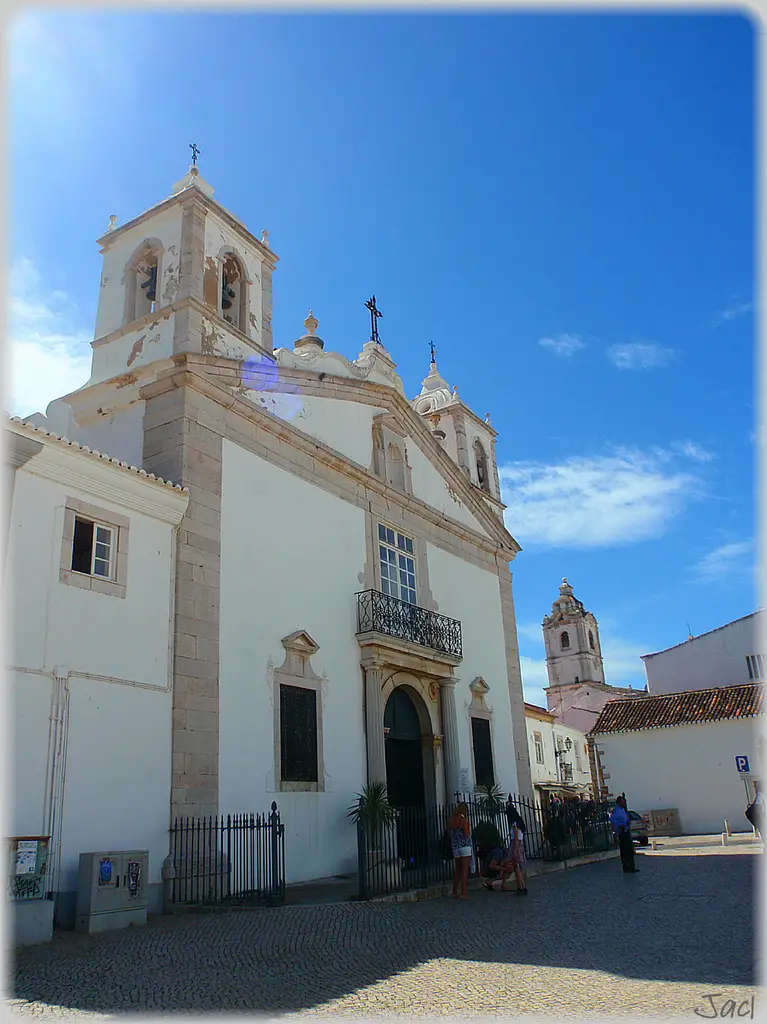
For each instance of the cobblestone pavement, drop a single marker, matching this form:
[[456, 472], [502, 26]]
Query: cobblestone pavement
[[586, 943]]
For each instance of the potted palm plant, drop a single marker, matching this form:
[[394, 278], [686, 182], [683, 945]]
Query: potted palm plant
[[375, 818]]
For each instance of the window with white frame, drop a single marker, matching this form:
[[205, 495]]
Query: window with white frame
[[755, 665], [538, 740], [577, 749], [397, 560], [93, 548]]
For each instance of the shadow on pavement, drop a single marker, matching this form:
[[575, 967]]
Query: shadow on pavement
[[681, 919]]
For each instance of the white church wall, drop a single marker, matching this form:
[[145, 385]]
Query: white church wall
[[165, 226], [346, 427], [84, 630], [29, 712], [118, 754], [291, 556], [712, 659], [118, 775], [688, 767], [466, 592], [431, 487], [119, 432]]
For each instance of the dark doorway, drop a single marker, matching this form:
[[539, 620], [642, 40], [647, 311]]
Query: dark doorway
[[404, 756]]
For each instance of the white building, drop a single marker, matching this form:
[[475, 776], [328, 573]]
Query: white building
[[559, 756], [91, 558], [725, 656], [577, 691], [344, 608], [677, 751]]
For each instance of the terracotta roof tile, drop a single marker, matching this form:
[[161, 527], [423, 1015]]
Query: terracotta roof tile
[[686, 708]]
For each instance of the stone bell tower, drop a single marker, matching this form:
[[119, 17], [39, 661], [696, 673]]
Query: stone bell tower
[[184, 276], [571, 636]]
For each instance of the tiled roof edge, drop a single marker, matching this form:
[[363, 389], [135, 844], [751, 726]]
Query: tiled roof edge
[[94, 453]]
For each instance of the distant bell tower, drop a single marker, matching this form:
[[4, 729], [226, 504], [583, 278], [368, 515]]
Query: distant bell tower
[[571, 636]]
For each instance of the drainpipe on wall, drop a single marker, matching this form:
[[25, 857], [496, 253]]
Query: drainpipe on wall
[[57, 766]]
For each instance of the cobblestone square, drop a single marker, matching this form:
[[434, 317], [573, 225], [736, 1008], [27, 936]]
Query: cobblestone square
[[586, 943]]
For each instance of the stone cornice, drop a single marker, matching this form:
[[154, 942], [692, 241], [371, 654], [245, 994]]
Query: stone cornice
[[151, 320], [411, 423], [98, 475], [382, 651], [183, 198], [193, 376], [460, 406]]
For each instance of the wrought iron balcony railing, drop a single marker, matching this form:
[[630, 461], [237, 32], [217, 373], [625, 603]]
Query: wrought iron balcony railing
[[379, 613]]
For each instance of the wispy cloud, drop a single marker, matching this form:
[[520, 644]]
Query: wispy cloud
[[534, 679], [724, 561], [693, 451], [731, 313], [49, 353], [564, 345], [640, 355], [596, 501]]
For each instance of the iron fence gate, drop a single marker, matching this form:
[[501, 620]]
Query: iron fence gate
[[232, 859], [414, 850]]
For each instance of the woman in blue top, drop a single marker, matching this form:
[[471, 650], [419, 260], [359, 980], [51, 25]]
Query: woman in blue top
[[460, 841], [621, 823]]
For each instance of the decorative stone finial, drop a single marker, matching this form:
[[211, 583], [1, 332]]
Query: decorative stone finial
[[112, 222], [265, 238], [311, 324], [487, 419], [455, 391]]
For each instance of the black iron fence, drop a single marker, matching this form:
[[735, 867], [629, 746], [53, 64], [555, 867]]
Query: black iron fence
[[560, 831], [380, 613], [234, 859], [414, 851]]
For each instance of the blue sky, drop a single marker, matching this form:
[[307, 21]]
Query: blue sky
[[563, 203]]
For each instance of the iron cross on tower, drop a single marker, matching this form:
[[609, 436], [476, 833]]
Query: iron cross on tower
[[433, 351], [374, 315], [195, 151]]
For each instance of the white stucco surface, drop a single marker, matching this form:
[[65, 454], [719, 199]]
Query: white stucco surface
[[116, 760], [165, 226], [431, 487], [689, 767], [717, 658], [92, 632], [344, 426], [471, 594], [145, 343], [289, 561], [117, 774]]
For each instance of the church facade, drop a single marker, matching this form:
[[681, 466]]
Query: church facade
[[342, 609]]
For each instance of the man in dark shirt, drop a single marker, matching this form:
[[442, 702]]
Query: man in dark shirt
[[496, 865]]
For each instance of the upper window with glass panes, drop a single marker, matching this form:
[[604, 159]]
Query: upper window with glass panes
[[93, 548], [397, 560]]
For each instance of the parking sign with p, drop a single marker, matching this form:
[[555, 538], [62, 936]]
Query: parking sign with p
[[741, 763]]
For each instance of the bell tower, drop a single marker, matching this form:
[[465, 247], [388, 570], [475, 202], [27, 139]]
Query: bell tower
[[184, 276], [571, 636], [468, 440]]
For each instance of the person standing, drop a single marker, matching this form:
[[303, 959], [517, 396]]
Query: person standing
[[460, 839], [621, 823]]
